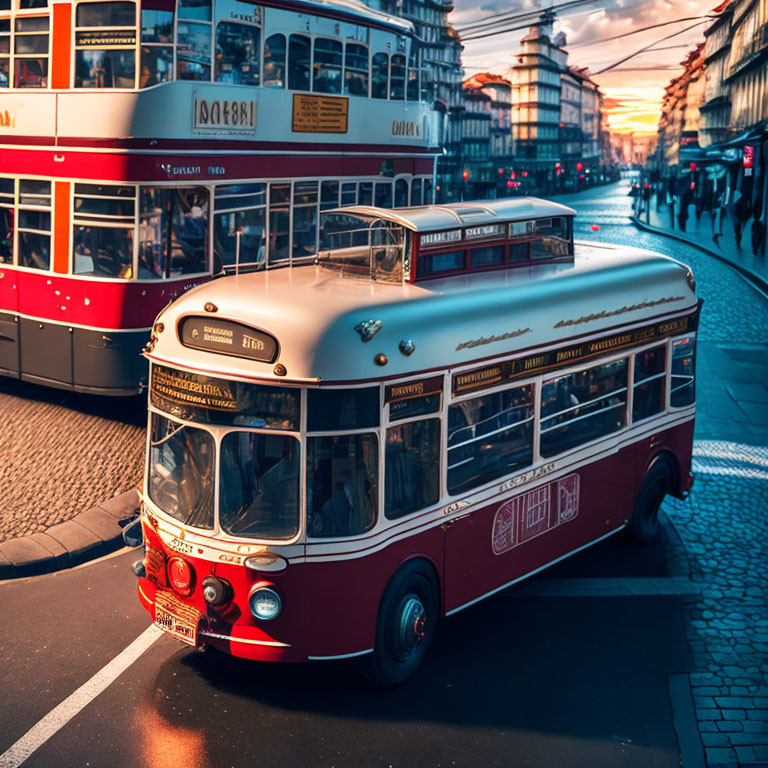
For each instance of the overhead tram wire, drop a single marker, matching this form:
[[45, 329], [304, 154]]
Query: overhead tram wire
[[647, 48], [509, 16], [637, 31]]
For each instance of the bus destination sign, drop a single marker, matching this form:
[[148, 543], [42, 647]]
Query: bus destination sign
[[190, 389], [227, 338], [491, 375]]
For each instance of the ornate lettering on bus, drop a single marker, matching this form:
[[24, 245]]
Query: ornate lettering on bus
[[526, 477], [238, 114], [534, 513], [182, 547]]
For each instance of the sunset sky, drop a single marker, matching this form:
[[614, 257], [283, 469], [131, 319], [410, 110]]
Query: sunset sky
[[633, 90]]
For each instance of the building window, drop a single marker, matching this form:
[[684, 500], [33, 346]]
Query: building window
[[156, 48], [238, 50], [239, 229], [105, 45], [30, 49], [356, 70], [274, 62], [379, 76], [327, 64], [104, 225], [34, 224]]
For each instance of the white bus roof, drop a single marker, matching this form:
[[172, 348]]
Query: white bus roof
[[360, 9], [454, 321], [428, 218]]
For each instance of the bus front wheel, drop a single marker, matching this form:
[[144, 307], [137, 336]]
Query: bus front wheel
[[644, 526], [406, 626]]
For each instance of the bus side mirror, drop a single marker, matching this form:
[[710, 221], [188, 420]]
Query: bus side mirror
[[133, 535]]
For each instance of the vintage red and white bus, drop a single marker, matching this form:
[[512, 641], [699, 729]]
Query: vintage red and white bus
[[450, 399], [146, 144]]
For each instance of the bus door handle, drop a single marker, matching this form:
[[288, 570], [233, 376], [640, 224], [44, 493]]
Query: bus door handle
[[448, 523]]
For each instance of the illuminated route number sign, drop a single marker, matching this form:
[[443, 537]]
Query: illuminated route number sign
[[227, 338]]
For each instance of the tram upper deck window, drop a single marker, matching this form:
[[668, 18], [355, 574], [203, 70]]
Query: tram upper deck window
[[327, 63], [105, 58], [156, 48], [299, 62], [356, 69], [103, 230], [397, 77], [30, 48], [412, 93], [259, 485], [274, 62], [238, 49], [380, 76], [193, 52], [5, 53], [197, 10]]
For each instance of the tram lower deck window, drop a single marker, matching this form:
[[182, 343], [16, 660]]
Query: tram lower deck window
[[412, 473], [435, 263], [259, 485], [181, 471], [488, 437], [342, 484], [582, 406]]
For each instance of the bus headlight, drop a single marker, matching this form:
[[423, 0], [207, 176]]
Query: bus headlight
[[265, 603], [266, 561]]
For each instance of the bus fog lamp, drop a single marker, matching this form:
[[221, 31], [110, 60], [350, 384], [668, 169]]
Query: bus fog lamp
[[215, 591], [265, 603]]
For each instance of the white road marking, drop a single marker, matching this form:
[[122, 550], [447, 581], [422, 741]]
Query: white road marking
[[720, 457], [58, 717]]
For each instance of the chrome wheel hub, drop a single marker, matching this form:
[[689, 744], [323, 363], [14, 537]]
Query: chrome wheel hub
[[413, 622]]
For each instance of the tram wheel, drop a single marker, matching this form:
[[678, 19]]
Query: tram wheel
[[406, 626], [644, 527]]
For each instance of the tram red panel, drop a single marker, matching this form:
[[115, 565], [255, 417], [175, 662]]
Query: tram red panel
[[9, 289], [110, 304]]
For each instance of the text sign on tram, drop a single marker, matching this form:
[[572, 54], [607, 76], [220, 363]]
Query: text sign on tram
[[319, 114], [227, 338], [491, 375]]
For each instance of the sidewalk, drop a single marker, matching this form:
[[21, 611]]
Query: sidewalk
[[702, 233]]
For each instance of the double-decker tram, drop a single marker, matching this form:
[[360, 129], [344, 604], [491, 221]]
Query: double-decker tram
[[147, 145], [448, 400]]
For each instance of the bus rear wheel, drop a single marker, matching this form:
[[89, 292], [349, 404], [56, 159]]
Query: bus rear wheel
[[644, 527], [405, 628]]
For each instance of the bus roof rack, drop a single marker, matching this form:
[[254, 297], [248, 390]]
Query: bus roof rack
[[428, 218]]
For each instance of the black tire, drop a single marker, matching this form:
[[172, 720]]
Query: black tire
[[406, 626], [644, 527]]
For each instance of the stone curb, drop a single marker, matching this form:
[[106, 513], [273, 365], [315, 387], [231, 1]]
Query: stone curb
[[91, 534], [749, 274]]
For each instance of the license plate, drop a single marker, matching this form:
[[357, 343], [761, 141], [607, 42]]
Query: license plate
[[176, 618]]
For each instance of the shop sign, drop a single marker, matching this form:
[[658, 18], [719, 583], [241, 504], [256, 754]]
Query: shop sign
[[319, 114], [103, 38], [224, 115]]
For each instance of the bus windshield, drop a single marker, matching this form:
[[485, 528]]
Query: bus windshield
[[181, 471]]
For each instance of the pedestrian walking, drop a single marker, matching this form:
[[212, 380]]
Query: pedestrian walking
[[758, 228], [685, 201], [741, 212]]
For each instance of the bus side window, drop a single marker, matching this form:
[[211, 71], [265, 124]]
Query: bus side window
[[648, 394], [583, 406], [342, 484], [489, 436], [683, 372], [412, 474]]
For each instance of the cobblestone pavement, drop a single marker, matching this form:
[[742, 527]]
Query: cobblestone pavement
[[63, 453], [724, 523]]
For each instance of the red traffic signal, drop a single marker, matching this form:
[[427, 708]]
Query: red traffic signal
[[579, 166], [465, 175]]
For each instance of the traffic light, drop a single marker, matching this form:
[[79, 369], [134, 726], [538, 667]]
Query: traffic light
[[579, 166], [465, 175]]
